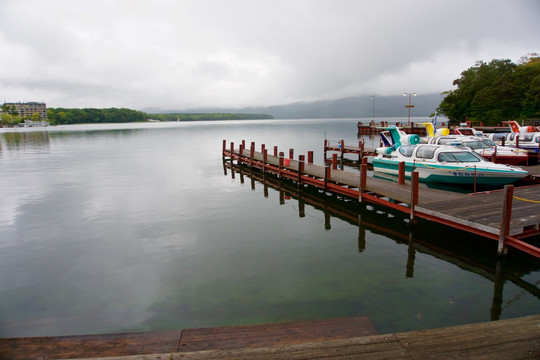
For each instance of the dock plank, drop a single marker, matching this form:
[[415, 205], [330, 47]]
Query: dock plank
[[231, 337], [83, 346]]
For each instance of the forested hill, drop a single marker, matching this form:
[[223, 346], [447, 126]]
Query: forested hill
[[351, 107], [59, 116]]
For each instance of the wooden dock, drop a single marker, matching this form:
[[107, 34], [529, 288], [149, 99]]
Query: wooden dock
[[508, 219], [346, 338]]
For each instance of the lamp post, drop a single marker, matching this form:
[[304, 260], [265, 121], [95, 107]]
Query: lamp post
[[409, 106], [373, 101]]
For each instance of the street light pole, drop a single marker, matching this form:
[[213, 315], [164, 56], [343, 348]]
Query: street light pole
[[409, 106], [373, 101]]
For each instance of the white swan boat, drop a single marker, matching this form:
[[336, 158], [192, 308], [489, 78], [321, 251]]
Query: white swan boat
[[451, 164]]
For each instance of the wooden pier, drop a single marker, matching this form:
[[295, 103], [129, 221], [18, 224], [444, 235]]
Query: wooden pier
[[375, 129], [505, 216], [346, 338]]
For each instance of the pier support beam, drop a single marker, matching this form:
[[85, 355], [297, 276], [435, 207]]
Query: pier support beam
[[401, 172], [505, 218], [414, 194], [363, 177], [301, 161]]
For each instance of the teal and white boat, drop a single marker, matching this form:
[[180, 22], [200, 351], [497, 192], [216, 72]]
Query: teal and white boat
[[451, 164]]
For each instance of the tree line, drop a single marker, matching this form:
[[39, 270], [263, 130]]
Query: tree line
[[496, 91], [58, 116]]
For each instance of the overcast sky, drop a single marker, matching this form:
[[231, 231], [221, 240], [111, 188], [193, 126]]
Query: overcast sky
[[179, 54]]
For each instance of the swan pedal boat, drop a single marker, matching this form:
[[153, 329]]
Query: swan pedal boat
[[450, 164]]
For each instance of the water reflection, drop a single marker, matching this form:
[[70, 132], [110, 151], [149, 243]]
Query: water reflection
[[33, 141], [470, 253]]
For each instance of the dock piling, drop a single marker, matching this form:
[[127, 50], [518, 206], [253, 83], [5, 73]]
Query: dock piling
[[505, 218], [301, 160], [401, 173], [363, 178], [414, 194]]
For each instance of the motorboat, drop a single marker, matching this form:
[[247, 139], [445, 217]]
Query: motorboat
[[451, 164], [485, 147], [475, 140]]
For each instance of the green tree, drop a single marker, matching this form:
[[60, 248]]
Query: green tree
[[7, 119], [495, 91], [35, 117]]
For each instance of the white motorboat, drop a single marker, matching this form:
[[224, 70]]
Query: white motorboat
[[452, 164]]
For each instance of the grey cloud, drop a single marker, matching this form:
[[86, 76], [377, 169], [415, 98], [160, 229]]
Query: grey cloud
[[180, 54]]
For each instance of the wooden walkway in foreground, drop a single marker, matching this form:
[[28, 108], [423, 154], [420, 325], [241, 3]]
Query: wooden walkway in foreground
[[482, 214], [345, 338]]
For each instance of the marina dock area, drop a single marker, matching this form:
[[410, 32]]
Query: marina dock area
[[505, 218], [341, 338]]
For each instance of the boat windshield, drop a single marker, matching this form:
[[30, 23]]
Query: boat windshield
[[526, 137], [425, 151], [489, 142], [477, 145], [499, 137], [459, 156], [406, 150]]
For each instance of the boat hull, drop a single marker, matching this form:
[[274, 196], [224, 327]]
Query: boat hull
[[451, 174]]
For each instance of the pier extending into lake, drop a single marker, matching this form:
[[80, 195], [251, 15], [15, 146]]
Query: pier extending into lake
[[507, 216]]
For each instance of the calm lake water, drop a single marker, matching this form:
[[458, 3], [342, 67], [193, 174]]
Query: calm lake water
[[137, 227]]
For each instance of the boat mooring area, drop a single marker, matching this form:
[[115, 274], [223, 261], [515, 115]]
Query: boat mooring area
[[508, 216]]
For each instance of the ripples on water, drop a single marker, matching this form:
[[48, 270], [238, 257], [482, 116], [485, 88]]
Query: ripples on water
[[133, 227]]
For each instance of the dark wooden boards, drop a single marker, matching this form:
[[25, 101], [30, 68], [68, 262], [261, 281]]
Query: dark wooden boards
[[86, 346], [510, 339], [231, 337], [158, 342]]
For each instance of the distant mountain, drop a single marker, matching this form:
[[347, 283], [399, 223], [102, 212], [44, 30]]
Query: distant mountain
[[350, 107]]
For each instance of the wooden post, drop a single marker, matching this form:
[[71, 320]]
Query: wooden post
[[363, 178], [232, 151], [310, 157], [291, 154], [401, 172], [414, 194], [244, 144], [327, 174], [262, 148], [474, 180], [275, 151], [224, 148], [251, 153], [240, 152], [281, 155], [325, 146], [517, 141], [334, 161], [505, 218], [265, 159], [301, 160], [342, 147]]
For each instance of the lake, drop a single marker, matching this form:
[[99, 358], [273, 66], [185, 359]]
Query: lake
[[138, 227]]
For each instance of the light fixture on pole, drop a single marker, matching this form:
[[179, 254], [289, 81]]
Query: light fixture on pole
[[409, 106]]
